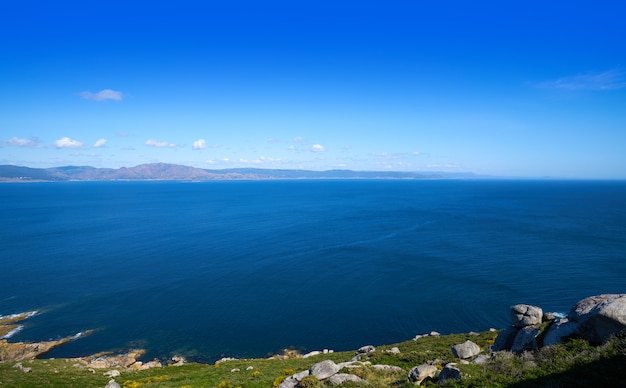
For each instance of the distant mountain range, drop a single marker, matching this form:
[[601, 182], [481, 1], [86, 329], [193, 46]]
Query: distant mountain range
[[175, 172]]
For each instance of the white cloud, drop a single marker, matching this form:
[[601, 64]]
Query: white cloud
[[18, 142], [415, 153], [66, 142], [199, 144], [318, 148], [608, 80], [159, 144], [103, 95], [100, 143]]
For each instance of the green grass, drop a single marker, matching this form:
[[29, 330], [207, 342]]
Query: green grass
[[575, 363]]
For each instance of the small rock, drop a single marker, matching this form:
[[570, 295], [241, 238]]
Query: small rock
[[481, 359], [112, 373], [393, 350], [366, 349], [465, 350], [387, 368], [112, 384], [310, 354], [435, 333], [235, 370], [450, 372], [250, 368], [299, 376], [289, 382], [420, 373], [340, 378]]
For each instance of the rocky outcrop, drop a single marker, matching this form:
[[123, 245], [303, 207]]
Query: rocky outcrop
[[19, 351], [599, 317], [124, 361], [595, 319]]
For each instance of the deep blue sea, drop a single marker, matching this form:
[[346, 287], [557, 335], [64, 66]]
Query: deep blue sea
[[249, 268]]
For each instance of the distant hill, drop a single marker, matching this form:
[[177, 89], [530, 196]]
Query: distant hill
[[176, 172]]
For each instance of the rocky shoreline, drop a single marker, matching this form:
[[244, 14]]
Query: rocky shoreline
[[595, 319]]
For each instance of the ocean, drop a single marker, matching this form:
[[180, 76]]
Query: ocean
[[249, 268]]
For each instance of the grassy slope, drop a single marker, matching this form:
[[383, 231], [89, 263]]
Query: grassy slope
[[573, 364]]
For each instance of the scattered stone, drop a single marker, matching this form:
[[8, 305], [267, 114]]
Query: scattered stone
[[22, 368], [178, 360], [112, 384], [387, 368], [450, 372], [150, 365], [299, 376], [465, 350], [289, 382], [235, 370], [525, 315], [422, 372], [250, 368], [310, 354], [393, 350], [366, 349], [323, 370], [340, 378], [481, 359], [112, 373], [435, 333]]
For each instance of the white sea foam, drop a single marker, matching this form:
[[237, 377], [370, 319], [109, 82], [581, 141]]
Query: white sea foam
[[12, 332], [27, 314]]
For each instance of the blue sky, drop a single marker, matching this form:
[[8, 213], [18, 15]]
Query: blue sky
[[500, 88]]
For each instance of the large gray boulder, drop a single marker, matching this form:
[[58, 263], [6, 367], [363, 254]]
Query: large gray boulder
[[323, 370], [420, 373], [558, 331], [505, 339], [465, 350], [525, 315], [526, 339], [599, 317]]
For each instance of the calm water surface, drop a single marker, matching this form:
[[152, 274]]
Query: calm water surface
[[246, 269]]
